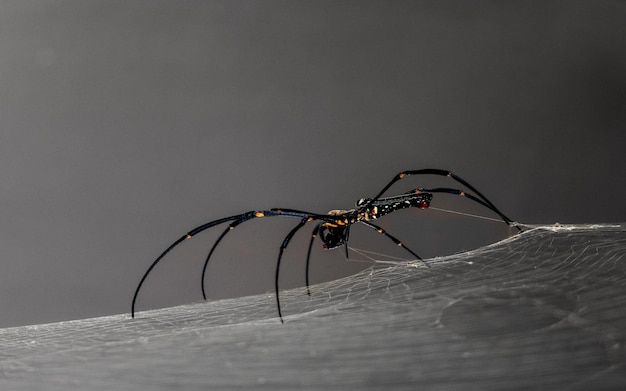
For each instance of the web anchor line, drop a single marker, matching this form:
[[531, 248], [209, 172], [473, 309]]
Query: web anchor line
[[466, 214]]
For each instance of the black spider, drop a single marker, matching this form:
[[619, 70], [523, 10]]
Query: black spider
[[334, 227]]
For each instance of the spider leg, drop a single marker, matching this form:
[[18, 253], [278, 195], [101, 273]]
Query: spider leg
[[308, 256], [434, 171], [466, 195], [237, 219], [300, 213], [345, 245], [393, 239], [280, 255], [206, 262], [273, 212], [188, 235]]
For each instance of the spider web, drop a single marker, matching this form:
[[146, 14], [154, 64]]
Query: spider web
[[543, 309]]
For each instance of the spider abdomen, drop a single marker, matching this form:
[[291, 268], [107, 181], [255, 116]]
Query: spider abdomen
[[388, 205]]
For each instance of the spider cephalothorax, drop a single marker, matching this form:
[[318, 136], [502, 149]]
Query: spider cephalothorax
[[333, 235], [334, 227]]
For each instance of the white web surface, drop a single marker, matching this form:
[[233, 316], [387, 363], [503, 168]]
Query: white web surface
[[545, 309]]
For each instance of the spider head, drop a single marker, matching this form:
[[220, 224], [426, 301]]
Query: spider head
[[333, 236]]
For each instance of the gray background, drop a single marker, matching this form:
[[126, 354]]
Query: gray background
[[124, 124]]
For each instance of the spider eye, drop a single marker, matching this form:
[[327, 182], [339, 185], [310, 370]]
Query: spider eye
[[362, 202]]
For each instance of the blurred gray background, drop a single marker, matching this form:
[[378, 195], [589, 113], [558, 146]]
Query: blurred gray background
[[126, 123]]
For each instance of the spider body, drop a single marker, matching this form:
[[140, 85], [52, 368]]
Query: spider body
[[333, 228], [334, 234]]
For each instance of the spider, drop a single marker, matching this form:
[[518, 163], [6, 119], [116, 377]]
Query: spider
[[333, 228]]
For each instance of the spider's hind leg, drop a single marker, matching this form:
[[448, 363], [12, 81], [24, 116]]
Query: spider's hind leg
[[478, 197], [393, 239]]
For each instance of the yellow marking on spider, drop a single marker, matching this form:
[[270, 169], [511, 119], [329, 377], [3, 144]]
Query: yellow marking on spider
[[259, 214], [188, 236]]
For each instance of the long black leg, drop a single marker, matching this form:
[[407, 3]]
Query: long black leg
[[345, 245], [188, 235], [435, 171], [237, 218], [280, 256], [308, 257], [206, 262], [468, 196], [394, 239]]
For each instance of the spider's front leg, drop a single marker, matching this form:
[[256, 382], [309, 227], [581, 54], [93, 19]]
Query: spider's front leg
[[283, 247], [248, 216], [234, 221]]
